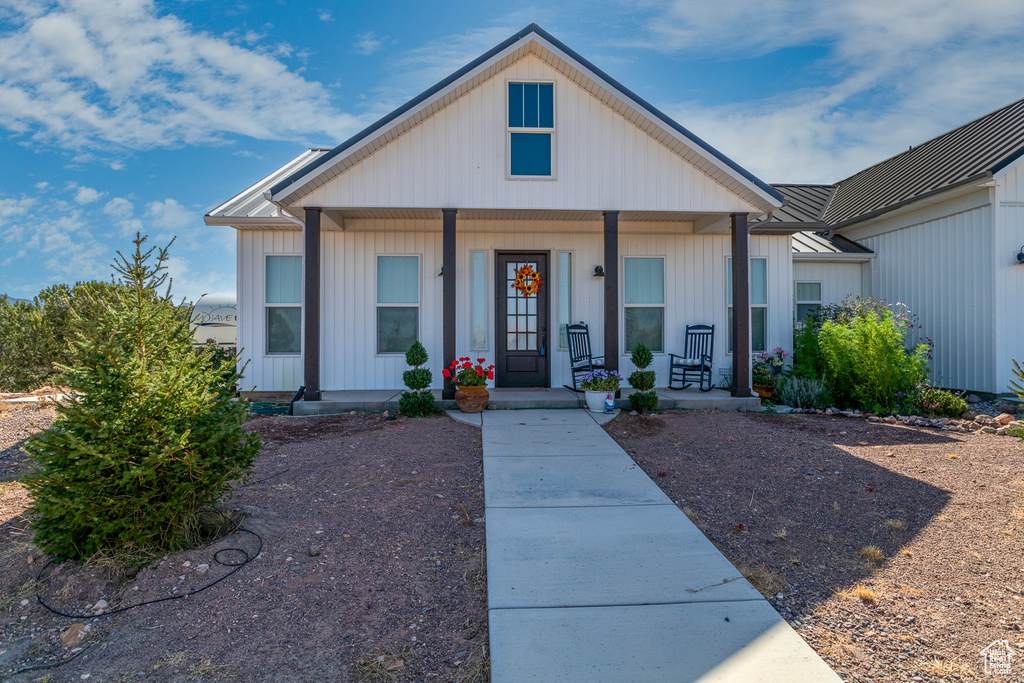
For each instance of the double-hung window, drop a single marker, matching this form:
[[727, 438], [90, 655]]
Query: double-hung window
[[398, 302], [644, 280], [808, 299], [283, 298], [758, 303], [531, 129]]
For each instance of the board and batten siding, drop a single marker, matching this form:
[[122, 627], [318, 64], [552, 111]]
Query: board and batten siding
[[695, 293], [262, 372], [838, 280], [458, 158], [937, 260], [1008, 202]]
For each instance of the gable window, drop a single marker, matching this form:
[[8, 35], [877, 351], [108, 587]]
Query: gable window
[[808, 299], [398, 303], [531, 129], [283, 299], [644, 280], [758, 303]]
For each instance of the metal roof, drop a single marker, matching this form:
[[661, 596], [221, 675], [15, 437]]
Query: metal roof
[[302, 174], [804, 203], [972, 152], [250, 203], [820, 243]]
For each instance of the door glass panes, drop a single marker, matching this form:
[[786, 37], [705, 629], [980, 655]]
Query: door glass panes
[[521, 312]]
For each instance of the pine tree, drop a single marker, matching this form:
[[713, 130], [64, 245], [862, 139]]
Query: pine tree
[[152, 435]]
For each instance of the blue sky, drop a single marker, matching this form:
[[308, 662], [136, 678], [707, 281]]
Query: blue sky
[[125, 115]]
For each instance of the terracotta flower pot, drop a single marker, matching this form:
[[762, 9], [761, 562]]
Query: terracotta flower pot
[[472, 399]]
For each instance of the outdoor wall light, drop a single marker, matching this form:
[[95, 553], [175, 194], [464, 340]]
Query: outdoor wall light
[[599, 270], [441, 274], [1020, 256]]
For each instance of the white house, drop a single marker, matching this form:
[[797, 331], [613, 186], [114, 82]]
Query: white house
[[939, 228], [529, 154]]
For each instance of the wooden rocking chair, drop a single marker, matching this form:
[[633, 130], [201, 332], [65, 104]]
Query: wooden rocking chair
[[581, 359], [695, 361]]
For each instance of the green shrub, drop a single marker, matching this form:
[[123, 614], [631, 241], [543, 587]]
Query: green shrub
[[152, 436], [867, 363], [420, 401], [807, 359], [643, 380], [803, 392], [942, 403]]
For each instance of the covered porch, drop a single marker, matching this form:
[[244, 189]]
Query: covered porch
[[460, 312]]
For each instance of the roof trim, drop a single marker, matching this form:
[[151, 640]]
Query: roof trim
[[984, 175], [286, 186], [853, 257]]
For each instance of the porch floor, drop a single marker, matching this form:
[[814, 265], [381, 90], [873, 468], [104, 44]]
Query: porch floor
[[335, 402]]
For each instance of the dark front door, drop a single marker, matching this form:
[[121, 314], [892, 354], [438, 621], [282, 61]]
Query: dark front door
[[522, 323]]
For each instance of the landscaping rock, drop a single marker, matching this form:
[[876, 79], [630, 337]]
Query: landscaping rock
[[1000, 432], [973, 398], [987, 430], [1004, 419], [100, 606], [202, 568], [74, 636]]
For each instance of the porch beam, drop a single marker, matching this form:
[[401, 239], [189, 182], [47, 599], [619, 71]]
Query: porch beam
[[611, 290], [311, 304], [448, 296], [740, 305]]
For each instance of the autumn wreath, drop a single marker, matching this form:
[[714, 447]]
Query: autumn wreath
[[527, 280]]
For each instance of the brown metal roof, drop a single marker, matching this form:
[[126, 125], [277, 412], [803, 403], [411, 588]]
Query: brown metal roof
[[972, 151], [804, 203], [808, 242]]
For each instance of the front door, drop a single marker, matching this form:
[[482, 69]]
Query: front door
[[521, 321]]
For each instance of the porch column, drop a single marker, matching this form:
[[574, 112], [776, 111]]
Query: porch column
[[311, 305], [448, 296], [740, 305], [611, 290]]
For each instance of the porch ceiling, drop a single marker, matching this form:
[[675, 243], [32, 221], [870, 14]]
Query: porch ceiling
[[338, 215]]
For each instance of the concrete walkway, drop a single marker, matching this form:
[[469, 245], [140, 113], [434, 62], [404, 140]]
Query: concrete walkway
[[594, 575]]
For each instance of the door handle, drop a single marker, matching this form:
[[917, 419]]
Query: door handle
[[543, 344]]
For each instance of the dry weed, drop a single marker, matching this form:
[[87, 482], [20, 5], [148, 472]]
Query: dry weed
[[872, 553], [692, 514], [763, 579], [780, 534], [895, 524], [382, 666], [859, 592]]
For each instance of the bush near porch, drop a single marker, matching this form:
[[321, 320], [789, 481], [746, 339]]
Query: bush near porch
[[860, 354]]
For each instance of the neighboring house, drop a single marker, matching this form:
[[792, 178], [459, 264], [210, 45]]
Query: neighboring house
[[938, 228], [529, 154]]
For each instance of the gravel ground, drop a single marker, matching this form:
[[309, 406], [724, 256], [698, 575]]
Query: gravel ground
[[372, 563], [796, 501]]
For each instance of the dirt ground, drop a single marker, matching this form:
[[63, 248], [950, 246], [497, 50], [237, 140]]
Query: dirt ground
[[896, 552], [372, 564]]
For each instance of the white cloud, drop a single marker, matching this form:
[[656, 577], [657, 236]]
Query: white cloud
[[42, 185], [87, 195], [899, 72], [325, 16], [169, 215], [119, 207], [117, 73], [367, 43]]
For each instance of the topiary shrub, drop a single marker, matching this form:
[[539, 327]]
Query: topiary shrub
[[801, 392], [420, 401], [150, 438], [643, 400]]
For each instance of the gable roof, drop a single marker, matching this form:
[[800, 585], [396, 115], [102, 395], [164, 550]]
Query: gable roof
[[966, 154], [532, 38], [805, 205]]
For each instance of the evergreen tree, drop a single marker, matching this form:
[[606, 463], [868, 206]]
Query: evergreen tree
[[152, 435], [420, 401], [644, 399]]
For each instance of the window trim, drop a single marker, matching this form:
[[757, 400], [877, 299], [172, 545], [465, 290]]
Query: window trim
[[796, 299], [487, 297], [663, 306], [523, 129], [267, 353], [572, 293], [766, 305], [377, 305]]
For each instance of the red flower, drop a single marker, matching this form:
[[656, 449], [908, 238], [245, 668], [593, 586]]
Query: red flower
[[467, 366], [480, 360], [480, 372], [490, 375], [663, 473], [446, 373], [739, 527]]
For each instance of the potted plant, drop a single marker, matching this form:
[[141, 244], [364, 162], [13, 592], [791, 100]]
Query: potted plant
[[764, 379], [470, 383], [644, 399], [598, 386], [775, 360]]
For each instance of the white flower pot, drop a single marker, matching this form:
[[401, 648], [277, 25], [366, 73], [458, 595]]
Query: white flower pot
[[595, 400]]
